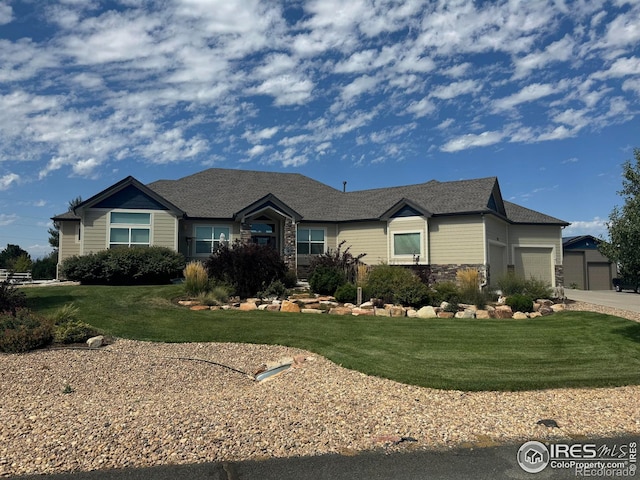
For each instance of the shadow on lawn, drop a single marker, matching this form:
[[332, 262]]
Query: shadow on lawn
[[49, 302], [632, 332]]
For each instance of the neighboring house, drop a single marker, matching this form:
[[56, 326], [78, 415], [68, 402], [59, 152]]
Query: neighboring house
[[442, 226], [584, 266]]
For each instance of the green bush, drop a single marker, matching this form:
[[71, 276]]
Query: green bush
[[346, 293], [536, 288], [444, 292], [247, 267], [24, 331], [338, 259], [45, 268], [397, 285], [511, 284], [11, 298], [326, 279], [276, 289], [520, 303], [67, 327], [125, 266]]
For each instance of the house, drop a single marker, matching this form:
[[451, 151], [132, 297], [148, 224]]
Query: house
[[442, 226], [584, 266]]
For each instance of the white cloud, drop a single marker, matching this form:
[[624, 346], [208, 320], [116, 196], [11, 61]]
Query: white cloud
[[256, 150], [529, 93], [596, 227], [286, 89], [455, 89], [6, 14], [421, 108], [7, 180], [7, 219], [470, 140], [559, 51], [622, 67]]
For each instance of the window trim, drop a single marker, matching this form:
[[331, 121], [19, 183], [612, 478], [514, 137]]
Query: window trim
[[310, 242], [129, 227], [193, 247]]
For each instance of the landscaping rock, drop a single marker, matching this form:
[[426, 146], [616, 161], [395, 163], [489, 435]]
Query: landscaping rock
[[381, 312], [519, 316], [340, 311], [362, 311], [443, 314], [397, 312], [427, 312], [199, 308], [95, 342], [535, 315], [503, 311], [274, 307], [248, 306], [545, 310], [289, 306], [412, 313], [188, 303], [558, 307], [483, 314], [367, 305], [312, 310], [467, 313]]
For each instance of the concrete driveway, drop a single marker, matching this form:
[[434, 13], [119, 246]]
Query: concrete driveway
[[626, 300]]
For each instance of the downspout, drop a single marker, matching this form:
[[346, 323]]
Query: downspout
[[485, 279]]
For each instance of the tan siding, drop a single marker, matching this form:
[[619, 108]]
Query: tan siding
[[94, 231], [456, 240], [408, 225], [69, 244], [497, 230], [164, 230], [365, 237], [536, 235]]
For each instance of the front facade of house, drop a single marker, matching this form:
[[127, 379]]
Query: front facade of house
[[442, 226]]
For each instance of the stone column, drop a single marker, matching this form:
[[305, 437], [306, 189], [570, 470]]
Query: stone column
[[289, 249]]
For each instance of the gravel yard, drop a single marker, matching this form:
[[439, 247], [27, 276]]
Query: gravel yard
[[141, 404]]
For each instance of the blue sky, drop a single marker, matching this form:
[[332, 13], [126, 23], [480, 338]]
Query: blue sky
[[545, 95]]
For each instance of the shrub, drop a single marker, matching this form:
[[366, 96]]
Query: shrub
[[67, 327], [347, 292], [326, 279], [125, 266], [520, 303], [468, 279], [340, 260], [247, 267], [511, 284], [196, 279], [537, 288], [276, 289], [397, 285], [45, 268], [444, 292], [24, 331], [11, 298]]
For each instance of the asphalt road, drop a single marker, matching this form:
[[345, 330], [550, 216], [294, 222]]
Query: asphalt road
[[491, 463], [625, 300]]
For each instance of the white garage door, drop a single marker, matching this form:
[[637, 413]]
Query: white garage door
[[536, 262]]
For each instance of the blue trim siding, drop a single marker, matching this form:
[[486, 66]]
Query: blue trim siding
[[406, 211], [132, 198]]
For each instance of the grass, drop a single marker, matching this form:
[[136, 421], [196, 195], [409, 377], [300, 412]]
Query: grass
[[568, 349]]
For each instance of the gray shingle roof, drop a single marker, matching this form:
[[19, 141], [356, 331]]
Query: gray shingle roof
[[222, 193]]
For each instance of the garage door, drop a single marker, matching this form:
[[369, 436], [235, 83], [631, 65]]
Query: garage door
[[534, 262], [497, 262], [573, 263], [599, 276]]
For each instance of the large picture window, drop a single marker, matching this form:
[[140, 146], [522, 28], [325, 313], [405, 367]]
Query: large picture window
[[129, 229], [310, 241], [406, 243], [209, 238]]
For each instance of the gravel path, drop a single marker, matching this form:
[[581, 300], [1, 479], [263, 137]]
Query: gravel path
[[138, 404]]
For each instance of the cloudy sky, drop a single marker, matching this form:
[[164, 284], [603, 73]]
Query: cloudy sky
[[545, 95]]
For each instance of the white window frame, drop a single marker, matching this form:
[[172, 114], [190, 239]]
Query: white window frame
[[213, 241], [309, 241], [130, 226]]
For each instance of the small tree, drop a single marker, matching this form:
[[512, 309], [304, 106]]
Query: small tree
[[623, 246]]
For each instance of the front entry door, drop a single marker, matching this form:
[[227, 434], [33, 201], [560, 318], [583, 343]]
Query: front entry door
[[264, 234]]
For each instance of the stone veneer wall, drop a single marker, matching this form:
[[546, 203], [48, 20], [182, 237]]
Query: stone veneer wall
[[289, 249], [447, 272], [559, 272]]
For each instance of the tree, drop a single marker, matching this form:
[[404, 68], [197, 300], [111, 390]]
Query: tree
[[54, 232], [13, 255], [623, 246]]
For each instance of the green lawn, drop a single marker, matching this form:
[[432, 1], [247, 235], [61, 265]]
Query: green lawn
[[568, 349]]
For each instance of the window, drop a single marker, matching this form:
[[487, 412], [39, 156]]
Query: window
[[128, 229], [209, 238], [406, 243], [310, 241]]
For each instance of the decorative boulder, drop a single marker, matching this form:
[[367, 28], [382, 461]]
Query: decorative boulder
[[248, 306], [503, 311], [519, 316], [427, 312], [288, 306], [95, 342]]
